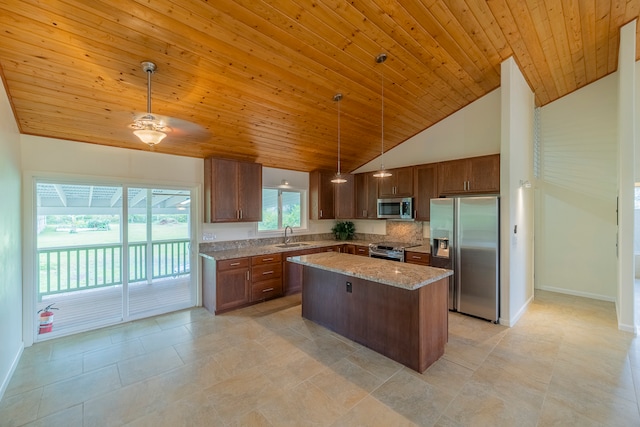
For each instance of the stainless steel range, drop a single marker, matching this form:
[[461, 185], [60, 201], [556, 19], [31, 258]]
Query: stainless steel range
[[393, 251]]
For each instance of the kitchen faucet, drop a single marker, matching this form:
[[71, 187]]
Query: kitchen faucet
[[286, 240]]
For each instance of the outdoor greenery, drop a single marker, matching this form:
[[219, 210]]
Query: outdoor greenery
[[98, 229]]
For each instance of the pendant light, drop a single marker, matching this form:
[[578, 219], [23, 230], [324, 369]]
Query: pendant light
[[148, 128], [382, 173], [338, 178]]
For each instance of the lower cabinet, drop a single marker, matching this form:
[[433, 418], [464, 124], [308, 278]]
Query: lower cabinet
[[232, 284], [266, 277], [417, 258]]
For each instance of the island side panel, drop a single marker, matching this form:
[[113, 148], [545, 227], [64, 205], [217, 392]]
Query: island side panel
[[434, 322], [395, 322]]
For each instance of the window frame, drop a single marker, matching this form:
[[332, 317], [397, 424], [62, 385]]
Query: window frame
[[304, 222]]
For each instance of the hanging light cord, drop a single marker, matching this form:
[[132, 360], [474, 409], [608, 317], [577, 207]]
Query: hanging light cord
[[338, 136], [382, 122]]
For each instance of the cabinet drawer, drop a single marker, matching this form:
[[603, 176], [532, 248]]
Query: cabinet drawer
[[417, 258], [266, 259], [266, 289], [228, 264], [362, 250], [266, 271]]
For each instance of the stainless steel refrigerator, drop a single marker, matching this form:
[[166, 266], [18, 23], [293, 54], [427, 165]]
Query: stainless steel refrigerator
[[465, 237]]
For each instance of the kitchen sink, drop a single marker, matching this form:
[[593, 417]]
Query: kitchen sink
[[291, 245]]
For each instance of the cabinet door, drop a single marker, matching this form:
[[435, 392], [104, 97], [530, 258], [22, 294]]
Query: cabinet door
[[344, 206], [426, 188], [362, 250], [484, 174], [223, 190], [250, 191], [321, 194], [366, 196], [232, 288], [386, 185], [452, 177], [404, 182], [399, 184]]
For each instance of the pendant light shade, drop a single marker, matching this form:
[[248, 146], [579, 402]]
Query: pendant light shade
[[149, 128], [382, 173], [338, 178]]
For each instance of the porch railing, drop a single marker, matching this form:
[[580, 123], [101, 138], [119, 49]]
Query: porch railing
[[69, 269]]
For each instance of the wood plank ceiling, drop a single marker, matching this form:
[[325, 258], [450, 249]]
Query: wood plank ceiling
[[254, 79]]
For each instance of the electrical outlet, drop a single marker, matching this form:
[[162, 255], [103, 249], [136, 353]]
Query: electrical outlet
[[207, 237]]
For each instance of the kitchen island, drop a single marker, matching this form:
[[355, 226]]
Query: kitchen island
[[399, 310]]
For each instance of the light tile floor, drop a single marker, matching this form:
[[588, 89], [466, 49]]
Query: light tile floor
[[563, 364]]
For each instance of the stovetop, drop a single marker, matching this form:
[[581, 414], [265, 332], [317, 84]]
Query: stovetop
[[394, 246]]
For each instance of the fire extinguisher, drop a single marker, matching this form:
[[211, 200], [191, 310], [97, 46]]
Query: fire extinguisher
[[46, 319]]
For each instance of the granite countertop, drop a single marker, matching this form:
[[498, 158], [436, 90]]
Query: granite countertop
[[423, 249], [273, 249], [393, 273]]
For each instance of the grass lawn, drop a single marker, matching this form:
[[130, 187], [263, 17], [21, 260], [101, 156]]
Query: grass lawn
[[137, 233]]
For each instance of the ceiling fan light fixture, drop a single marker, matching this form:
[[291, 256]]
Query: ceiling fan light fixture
[[382, 173], [337, 178], [148, 128], [150, 136]]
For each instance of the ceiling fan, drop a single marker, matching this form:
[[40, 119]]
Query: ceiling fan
[[153, 128]]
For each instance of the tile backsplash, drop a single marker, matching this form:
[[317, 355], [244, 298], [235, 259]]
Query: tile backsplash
[[405, 231]]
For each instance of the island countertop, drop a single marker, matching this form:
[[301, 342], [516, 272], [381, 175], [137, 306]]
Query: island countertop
[[392, 273]]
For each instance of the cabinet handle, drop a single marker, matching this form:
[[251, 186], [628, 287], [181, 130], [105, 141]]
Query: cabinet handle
[[468, 185], [267, 272], [247, 275], [267, 290], [240, 213], [364, 213], [416, 257], [267, 259], [320, 213], [234, 264]]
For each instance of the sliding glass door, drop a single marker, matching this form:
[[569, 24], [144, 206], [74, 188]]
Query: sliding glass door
[[159, 247], [108, 254]]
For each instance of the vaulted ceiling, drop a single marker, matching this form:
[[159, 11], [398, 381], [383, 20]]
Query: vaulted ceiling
[[255, 79]]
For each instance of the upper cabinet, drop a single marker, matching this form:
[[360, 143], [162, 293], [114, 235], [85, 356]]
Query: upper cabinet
[[321, 195], [399, 184], [344, 198], [471, 175], [366, 196], [425, 187], [233, 191]]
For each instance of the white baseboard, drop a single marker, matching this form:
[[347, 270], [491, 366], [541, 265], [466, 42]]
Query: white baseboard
[[12, 369], [511, 322], [576, 293]]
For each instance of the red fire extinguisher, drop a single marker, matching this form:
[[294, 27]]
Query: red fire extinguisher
[[46, 319]]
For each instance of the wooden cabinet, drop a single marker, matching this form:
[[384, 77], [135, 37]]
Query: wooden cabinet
[[321, 195], [344, 198], [425, 187], [362, 250], [232, 285], [417, 258], [472, 175], [266, 277], [233, 191], [399, 184], [366, 196]]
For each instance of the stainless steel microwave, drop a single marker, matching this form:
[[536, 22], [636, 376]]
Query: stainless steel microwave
[[397, 208]]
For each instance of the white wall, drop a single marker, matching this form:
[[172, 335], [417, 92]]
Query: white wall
[[516, 202], [575, 231], [472, 131], [10, 244], [626, 175]]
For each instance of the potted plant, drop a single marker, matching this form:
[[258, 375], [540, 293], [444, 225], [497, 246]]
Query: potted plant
[[344, 230]]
